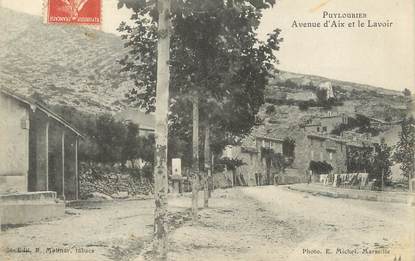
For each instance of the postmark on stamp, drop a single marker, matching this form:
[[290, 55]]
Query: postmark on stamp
[[87, 12]]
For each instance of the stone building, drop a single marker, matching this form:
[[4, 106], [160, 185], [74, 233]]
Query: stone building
[[325, 124], [250, 152], [329, 154], [329, 150], [39, 154]]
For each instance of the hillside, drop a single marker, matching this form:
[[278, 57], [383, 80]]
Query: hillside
[[76, 66], [347, 86], [368, 100], [287, 90], [66, 65]]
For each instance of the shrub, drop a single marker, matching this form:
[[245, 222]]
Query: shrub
[[270, 109], [303, 106], [407, 92]]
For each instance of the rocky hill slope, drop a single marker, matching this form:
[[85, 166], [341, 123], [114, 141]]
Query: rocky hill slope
[[78, 67], [282, 113], [66, 65]]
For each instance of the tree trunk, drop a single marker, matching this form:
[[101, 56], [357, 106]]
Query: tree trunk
[[212, 167], [207, 167], [383, 182], [162, 100], [268, 166], [411, 175], [234, 178], [195, 159]]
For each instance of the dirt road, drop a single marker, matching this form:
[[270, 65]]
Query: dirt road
[[273, 223], [113, 230], [255, 223]]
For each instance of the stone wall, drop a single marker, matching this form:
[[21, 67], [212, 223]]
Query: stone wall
[[253, 165], [331, 122], [302, 154], [330, 151]]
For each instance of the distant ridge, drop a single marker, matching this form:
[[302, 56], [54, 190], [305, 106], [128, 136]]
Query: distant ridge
[[78, 67], [305, 78]]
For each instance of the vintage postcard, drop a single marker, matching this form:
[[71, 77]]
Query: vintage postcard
[[207, 130]]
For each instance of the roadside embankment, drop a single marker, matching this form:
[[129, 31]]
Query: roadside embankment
[[328, 191]]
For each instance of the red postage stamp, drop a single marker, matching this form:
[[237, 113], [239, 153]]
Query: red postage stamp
[[74, 12]]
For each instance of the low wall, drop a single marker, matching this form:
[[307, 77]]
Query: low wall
[[290, 176], [392, 197], [286, 180], [23, 208]]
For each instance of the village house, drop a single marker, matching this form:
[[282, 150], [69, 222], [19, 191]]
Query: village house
[[39, 159], [254, 171], [328, 154], [325, 123]]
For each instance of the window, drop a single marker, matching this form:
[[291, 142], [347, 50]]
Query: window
[[325, 129], [318, 129], [312, 154], [331, 155]]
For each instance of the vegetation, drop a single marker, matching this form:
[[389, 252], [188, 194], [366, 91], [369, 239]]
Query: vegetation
[[359, 159], [108, 141], [407, 92], [321, 94], [273, 160], [304, 105], [327, 104], [231, 164], [405, 148], [377, 163], [361, 124], [216, 61], [381, 164], [288, 150], [270, 109], [320, 167]]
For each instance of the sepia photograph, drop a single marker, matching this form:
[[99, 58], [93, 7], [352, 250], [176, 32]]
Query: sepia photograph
[[258, 130]]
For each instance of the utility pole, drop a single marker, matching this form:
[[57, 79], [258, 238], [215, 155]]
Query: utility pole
[[162, 102]]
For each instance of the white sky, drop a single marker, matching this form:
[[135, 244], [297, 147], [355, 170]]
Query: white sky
[[381, 57]]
